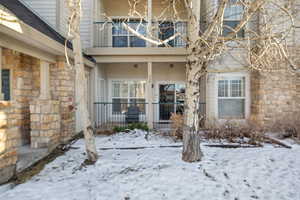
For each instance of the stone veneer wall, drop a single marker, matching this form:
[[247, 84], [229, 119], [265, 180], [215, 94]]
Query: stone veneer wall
[[62, 81], [275, 97], [9, 137], [45, 123], [25, 85]]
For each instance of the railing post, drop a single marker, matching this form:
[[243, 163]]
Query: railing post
[[150, 96]]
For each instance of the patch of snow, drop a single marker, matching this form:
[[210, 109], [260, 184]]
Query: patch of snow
[[159, 173]]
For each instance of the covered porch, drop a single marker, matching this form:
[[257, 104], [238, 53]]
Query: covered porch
[[146, 92]]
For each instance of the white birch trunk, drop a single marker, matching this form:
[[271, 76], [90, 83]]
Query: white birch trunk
[[82, 101], [191, 136], [191, 139]]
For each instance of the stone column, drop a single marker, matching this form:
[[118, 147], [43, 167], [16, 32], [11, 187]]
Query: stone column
[[45, 116], [44, 80], [150, 96], [1, 94], [9, 136]]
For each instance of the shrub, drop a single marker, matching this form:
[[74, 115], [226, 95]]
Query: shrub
[[133, 126], [288, 126], [118, 129], [236, 133], [177, 125]]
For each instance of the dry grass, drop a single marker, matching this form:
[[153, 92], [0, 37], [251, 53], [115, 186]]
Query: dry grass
[[105, 132], [177, 126], [236, 133], [230, 132], [288, 127]]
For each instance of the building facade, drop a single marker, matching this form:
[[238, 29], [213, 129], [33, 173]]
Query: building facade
[[128, 79], [133, 72]]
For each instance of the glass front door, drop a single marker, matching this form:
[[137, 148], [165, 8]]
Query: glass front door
[[171, 100]]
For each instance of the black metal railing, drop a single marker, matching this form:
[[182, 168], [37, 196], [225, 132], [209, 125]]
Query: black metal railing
[[162, 113], [114, 34], [110, 115]]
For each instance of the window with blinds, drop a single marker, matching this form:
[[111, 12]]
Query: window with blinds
[[231, 98], [6, 84], [232, 17]]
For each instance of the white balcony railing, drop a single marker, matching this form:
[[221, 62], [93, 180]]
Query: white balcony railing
[[114, 34]]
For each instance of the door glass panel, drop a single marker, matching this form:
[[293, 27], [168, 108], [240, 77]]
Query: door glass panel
[[167, 100], [180, 96], [166, 30]]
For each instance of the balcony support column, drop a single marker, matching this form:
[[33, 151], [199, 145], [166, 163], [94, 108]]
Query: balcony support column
[[149, 20], [150, 96], [44, 80]]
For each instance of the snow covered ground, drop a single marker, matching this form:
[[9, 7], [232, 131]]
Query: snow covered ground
[[159, 174]]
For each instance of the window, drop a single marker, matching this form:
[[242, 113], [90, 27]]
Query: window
[[126, 93], [231, 98], [232, 17], [168, 29], [123, 38], [5, 77], [181, 28]]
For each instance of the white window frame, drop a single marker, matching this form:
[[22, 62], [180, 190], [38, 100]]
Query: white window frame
[[110, 87], [233, 19], [179, 41], [128, 92], [128, 34], [231, 76]]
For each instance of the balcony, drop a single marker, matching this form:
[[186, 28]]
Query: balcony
[[115, 35]]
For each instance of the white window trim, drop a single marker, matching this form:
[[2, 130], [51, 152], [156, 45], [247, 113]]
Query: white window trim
[[128, 35], [221, 76], [110, 97], [128, 97]]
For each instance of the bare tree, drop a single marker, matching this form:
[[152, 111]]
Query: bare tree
[[261, 35], [81, 83]]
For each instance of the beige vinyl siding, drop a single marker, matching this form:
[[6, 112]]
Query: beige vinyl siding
[[86, 23], [55, 12], [63, 15], [45, 8]]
